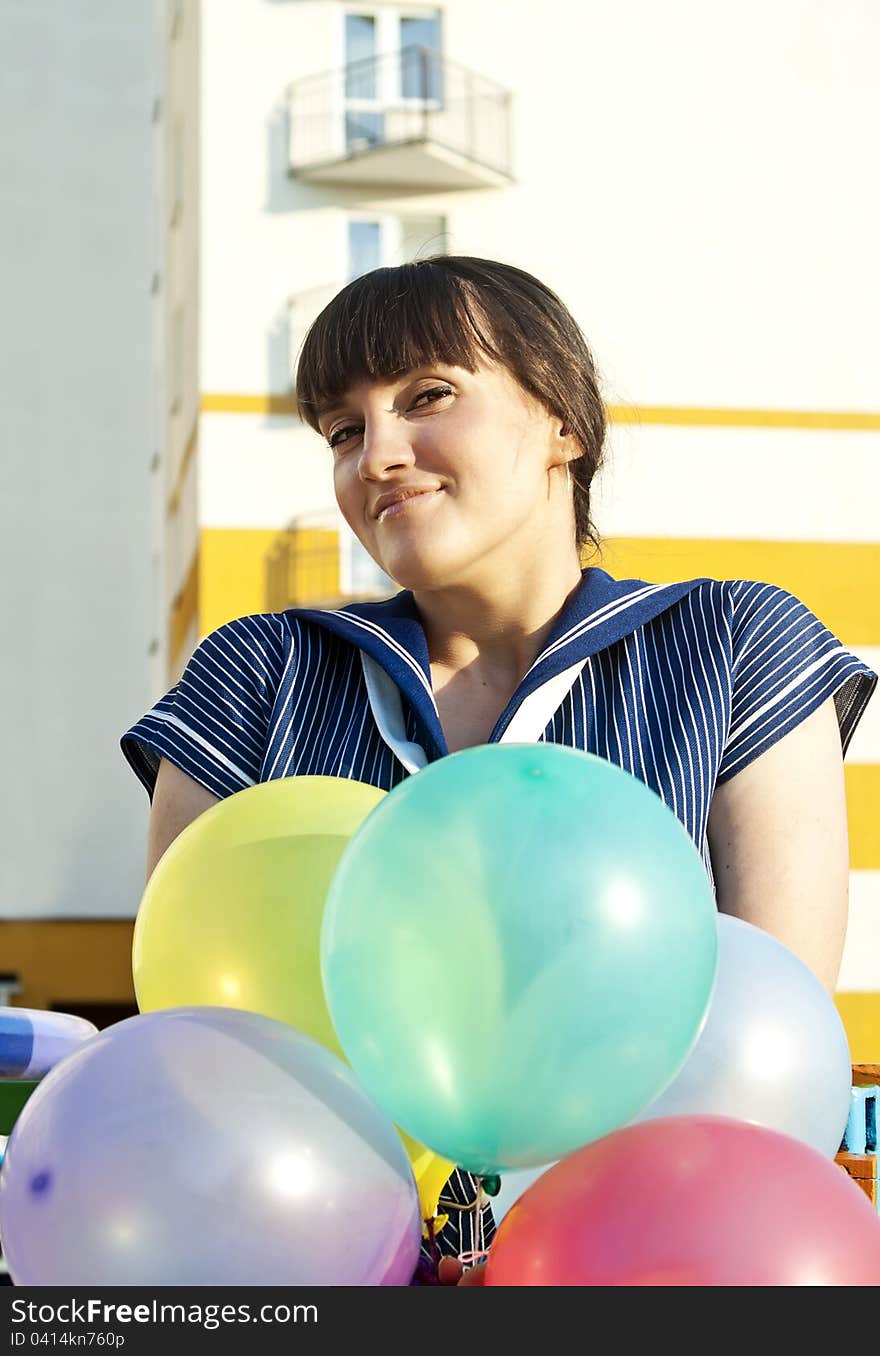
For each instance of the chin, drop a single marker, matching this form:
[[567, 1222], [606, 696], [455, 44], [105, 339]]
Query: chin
[[423, 576], [416, 577]]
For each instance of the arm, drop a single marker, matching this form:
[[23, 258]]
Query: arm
[[177, 801], [778, 839]]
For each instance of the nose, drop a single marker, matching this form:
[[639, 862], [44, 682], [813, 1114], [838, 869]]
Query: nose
[[386, 448]]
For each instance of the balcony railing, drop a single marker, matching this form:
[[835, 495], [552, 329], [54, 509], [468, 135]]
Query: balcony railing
[[408, 118], [303, 308], [311, 565]]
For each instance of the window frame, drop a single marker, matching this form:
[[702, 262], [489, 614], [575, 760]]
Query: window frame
[[389, 94]]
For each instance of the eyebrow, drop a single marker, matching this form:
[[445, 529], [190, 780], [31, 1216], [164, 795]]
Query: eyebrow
[[338, 403], [328, 407]]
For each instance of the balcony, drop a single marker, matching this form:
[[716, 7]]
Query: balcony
[[409, 119], [302, 309], [317, 562]]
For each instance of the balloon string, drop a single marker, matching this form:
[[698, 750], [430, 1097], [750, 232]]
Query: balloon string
[[478, 1231]]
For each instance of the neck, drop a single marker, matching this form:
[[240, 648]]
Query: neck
[[496, 628]]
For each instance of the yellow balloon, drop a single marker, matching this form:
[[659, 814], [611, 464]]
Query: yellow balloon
[[231, 916], [431, 1173]]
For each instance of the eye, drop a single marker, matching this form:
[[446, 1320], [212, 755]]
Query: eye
[[339, 435], [435, 393]]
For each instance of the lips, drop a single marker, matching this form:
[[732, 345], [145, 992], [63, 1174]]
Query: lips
[[394, 502]]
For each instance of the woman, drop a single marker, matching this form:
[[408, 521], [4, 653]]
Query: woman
[[461, 406]]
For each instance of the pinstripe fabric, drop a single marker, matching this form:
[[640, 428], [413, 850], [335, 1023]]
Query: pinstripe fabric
[[681, 685]]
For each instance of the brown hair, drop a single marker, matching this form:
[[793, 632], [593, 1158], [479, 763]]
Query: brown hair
[[446, 309]]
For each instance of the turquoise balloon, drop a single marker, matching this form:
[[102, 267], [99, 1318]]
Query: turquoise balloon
[[518, 952]]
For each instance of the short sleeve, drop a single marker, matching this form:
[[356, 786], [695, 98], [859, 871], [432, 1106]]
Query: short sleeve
[[214, 723], [785, 663]]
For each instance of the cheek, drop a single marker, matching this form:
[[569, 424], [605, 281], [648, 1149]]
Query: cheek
[[343, 488], [349, 493]]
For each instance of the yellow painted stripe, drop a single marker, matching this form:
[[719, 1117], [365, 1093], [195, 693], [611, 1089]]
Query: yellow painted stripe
[[863, 812], [184, 609], [233, 564], [860, 1013], [707, 416], [189, 452], [840, 581], [739, 418], [248, 404]]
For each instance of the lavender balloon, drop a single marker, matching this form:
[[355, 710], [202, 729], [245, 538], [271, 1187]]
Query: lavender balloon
[[206, 1146], [773, 1050]]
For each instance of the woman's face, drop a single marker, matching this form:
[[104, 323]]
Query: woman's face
[[474, 455]]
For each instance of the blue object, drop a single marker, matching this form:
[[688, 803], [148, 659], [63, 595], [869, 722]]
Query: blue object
[[33, 1041], [16, 1044], [860, 1135]]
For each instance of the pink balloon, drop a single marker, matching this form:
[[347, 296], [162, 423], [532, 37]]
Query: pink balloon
[[690, 1200]]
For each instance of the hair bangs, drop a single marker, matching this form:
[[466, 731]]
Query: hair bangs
[[389, 321]]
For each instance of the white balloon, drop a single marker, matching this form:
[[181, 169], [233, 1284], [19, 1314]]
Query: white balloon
[[773, 1049]]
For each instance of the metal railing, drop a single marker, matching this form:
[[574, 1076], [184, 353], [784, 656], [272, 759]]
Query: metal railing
[[410, 95], [302, 570], [318, 566], [303, 308]]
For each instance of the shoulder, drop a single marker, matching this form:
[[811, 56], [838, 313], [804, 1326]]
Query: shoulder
[[742, 622], [266, 629], [241, 662], [733, 594], [750, 618], [294, 645], [258, 642], [739, 603], [765, 616]]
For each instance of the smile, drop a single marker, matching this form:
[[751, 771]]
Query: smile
[[410, 502]]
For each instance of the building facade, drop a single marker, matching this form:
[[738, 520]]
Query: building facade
[[696, 182]]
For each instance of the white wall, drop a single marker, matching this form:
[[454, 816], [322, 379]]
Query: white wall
[[697, 180], [258, 469], [763, 484], [76, 358], [264, 235]]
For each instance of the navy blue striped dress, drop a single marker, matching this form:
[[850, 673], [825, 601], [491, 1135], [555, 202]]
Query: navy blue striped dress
[[682, 685]]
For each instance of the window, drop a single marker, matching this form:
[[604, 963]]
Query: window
[[388, 240], [420, 70], [360, 46], [392, 56], [364, 123], [364, 247], [359, 575], [363, 129]]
